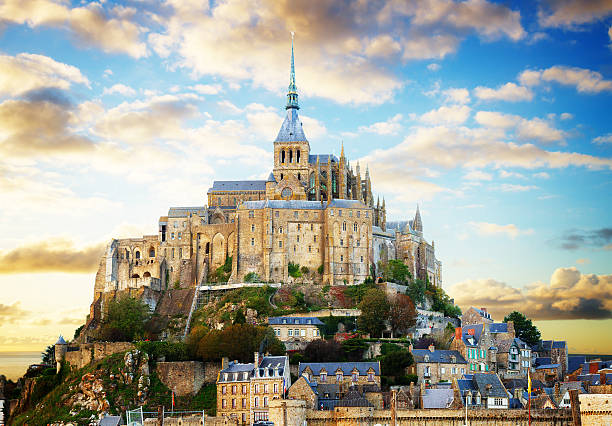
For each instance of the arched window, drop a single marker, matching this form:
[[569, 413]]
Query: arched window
[[290, 156], [207, 247], [282, 156], [137, 254], [343, 226], [299, 175], [281, 176], [297, 156], [151, 252]]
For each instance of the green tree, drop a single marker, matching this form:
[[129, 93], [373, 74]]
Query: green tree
[[524, 328], [395, 363], [416, 291], [395, 271], [374, 312], [237, 341], [294, 270], [239, 318], [354, 348], [48, 356], [125, 320]]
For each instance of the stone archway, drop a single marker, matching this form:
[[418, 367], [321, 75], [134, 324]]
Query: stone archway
[[219, 250]]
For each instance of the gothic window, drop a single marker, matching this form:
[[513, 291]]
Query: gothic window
[[281, 176], [298, 226], [315, 238], [341, 258], [299, 176], [207, 247], [290, 156], [252, 228], [343, 226], [361, 259], [251, 213], [297, 159], [309, 249], [151, 252], [280, 244], [282, 158], [137, 254], [286, 192], [358, 214], [172, 253], [341, 242], [311, 227], [252, 241], [355, 227], [180, 253]]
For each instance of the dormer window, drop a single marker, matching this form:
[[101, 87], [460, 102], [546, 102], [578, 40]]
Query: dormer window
[[339, 377], [323, 377], [426, 358]]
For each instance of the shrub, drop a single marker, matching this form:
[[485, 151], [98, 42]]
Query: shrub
[[171, 351], [252, 277], [305, 270], [294, 270], [321, 269]]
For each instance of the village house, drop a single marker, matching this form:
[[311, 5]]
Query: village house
[[434, 365], [296, 332], [343, 374], [513, 358], [478, 343], [483, 390], [476, 316], [244, 391]]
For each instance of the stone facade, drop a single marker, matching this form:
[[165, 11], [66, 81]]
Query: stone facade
[[344, 374], [301, 390], [83, 354], [296, 332], [434, 366], [184, 378], [595, 409], [476, 316]]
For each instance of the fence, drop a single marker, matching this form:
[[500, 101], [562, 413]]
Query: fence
[[137, 417]]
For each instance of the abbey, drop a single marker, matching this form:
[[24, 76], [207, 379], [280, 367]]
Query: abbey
[[314, 210]]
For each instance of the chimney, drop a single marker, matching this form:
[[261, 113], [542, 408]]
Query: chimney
[[511, 331], [458, 333], [224, 363], [431, 348], [256, 359]]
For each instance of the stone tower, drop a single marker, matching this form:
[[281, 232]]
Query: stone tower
[[291, 148], [60, 352], [417, 224]]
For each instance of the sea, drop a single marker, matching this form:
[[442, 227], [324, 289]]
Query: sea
[[13, 365]]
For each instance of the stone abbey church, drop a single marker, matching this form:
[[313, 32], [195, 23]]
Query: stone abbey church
[[313, 210]]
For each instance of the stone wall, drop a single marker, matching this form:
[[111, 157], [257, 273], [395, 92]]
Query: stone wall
[[90, 352], [327, 312], [211, 371], [295, 414], [184, 378], [595, 409]]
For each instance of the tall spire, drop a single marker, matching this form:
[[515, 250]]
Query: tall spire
[[417, 224], [292, 94]]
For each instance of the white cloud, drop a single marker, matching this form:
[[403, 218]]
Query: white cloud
[[390, 127], [525, 129], [505, 175], [541, 175], [457, 96], [566, 116], [207, 89], [121, 89], [585, 81], [477, 175], [604, 139], [434, 67], [572, 13], [510, 230], [455, 114], [510, 187], [25, 72], [508, 92]]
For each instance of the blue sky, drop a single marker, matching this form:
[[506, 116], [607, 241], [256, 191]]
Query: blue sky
[[494, 117]]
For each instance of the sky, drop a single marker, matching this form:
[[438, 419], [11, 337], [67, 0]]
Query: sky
[[493, 117]]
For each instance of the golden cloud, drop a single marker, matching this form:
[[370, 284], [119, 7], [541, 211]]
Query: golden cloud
[[89, 25], [12, 313], [57, 255], [569, 295]]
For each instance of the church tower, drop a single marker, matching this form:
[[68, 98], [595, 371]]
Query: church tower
[[291, 148], [417, 224]]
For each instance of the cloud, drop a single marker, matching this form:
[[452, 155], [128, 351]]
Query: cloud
[[91, 25], [572, 13], [121, 89], [390, 127], [505, 174], [454, 114], [56, 255], [457, 96], [510, 230], [583, 261], [525, 129], [212, 39], [38, 128], [434, 67], [508, 92], [569, 295], [208, 89], [585, 81], [509, 187], [566, 116], [26, 72], [11, 314], [607, 138], [477, 175], [574, 239]]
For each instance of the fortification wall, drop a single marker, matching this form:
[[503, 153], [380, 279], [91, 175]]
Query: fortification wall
[[294, 413], [595, 409], [184, 378], [89, 352]]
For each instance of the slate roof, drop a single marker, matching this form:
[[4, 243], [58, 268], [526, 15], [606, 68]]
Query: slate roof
[[283, 204], [559, 344], [332, 389], [185, 211], [346, 204], [574, 362], [323, 158], [235, 369], [238, 185], [497, 388], [353, 398], [543, 361], [437, 398], [592, 379], [545, 366], [346, 367], [437, 356], [498, 327], [295, 320], [110, 421], [271, 177], [291, 129], [60, 340], [378, 231], [479, 311]]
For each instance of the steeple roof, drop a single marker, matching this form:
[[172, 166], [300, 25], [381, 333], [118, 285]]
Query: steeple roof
[[417, 224], [291, 130]]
